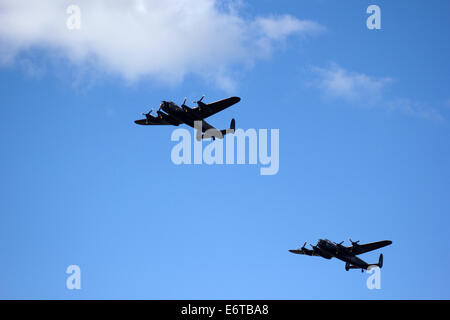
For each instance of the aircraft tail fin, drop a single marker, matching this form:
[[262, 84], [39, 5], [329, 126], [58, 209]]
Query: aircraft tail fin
[[231, 129], [379, 264], [380, 261]]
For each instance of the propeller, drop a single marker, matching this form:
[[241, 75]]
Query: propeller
[[199, 100], [148, 113], [339, 246], [184, 106], [303, 247], [354, 243]]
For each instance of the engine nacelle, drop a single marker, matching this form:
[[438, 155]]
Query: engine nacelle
[[203, 106], [186, 108], [167, 117]]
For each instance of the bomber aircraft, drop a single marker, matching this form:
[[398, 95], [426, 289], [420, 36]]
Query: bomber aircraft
[[171, 114], [327, 249]]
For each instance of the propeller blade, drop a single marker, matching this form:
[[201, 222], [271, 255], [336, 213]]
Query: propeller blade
[[199, 100], [148, 113], [184, 102]]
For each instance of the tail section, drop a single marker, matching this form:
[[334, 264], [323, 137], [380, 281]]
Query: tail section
[[349, 266], [379, 264], [380, 261], [231, 129], [220, 133]]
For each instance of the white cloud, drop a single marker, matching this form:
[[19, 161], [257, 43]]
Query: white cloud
[[340, 83], [278, 28], [364, 90], [415, 109], [163, 39]]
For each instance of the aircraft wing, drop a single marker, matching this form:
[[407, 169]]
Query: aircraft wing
[[207, 110], [363, 248], [153, 121], [306, 252]]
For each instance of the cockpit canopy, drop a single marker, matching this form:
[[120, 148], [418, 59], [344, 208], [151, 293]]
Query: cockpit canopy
[[167, 104], [326, 243]]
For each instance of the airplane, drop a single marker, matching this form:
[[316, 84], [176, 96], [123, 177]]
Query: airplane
[[175, 115], [327, 249]]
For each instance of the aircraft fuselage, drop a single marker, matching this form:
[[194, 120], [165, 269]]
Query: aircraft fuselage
[[184, 115], [328, 250]]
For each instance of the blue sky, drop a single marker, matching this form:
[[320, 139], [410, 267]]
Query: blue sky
[[364, 152]]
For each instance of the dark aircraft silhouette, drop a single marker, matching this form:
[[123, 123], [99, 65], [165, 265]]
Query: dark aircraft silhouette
[[175, 115], [327, 249]]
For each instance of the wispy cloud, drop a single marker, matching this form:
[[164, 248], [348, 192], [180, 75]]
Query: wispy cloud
[[279, 28], [415, 109], [340, 83], [368, 91], [161, 39]]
